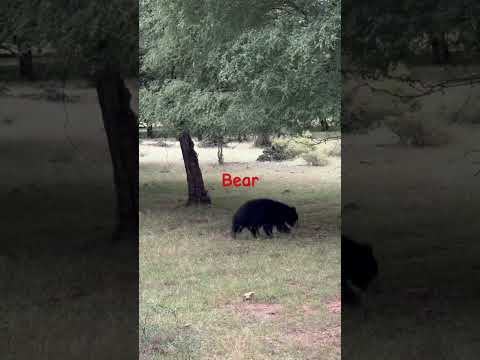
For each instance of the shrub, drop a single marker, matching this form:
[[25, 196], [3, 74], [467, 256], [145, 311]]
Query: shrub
[[335, 149], [276, 152], [287, 148], [315, 158], [415, 132], [298, 145]]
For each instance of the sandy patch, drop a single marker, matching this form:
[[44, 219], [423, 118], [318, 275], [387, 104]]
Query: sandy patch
[[334, 306], [257, 311], [314, 339]]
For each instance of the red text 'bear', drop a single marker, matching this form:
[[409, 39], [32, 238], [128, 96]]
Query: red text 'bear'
[[247, 181]]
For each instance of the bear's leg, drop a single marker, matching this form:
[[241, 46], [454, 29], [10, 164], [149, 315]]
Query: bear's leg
[[236, 229], [283, 228], [348, 294], [254, 231], [268, 228]]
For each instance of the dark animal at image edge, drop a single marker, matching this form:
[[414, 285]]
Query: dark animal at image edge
[[266, 214], [359, 268]]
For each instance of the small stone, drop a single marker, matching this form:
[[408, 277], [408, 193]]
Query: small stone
[[248, 296]]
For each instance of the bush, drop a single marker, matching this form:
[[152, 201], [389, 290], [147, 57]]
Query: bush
[[297, 145], [334, 150], [287, 148], [276, 152], [415, 132], [315, 158]]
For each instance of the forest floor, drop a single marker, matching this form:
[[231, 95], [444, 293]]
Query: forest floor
[[193, 275], [418, 207], [60, 299]]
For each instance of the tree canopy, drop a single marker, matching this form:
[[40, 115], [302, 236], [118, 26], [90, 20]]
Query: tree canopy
[[242, 66], [378, 34], [81, 33]]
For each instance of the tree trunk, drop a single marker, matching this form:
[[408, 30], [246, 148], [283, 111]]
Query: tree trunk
[[150, 131], [197, 194], [263, 140], [444, 48], [220, 152], [120, 124], [324, 125], [440, 51], [25, 65]]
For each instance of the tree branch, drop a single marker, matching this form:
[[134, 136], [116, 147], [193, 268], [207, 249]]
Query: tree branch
[[8, 49], [292, 5], [318, 141], [423, 88]]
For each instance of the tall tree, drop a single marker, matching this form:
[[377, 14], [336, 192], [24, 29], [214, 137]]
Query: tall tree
[[238, 67], [372, 43], [18, 28], [441, 31], [98, 39]]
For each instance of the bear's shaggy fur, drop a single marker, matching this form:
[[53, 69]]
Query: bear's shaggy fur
[[359, 268], [265, 213]]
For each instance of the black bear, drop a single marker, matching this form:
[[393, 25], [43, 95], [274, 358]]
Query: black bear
[[359, 268], [265, 213]]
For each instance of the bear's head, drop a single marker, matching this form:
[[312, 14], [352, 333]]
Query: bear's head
[[292, 216]]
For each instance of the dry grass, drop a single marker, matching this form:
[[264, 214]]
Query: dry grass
[[193, 275], [417, 207], [411, 130], [315, 158], [60, 301]]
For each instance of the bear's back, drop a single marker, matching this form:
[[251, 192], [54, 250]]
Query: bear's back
[[259, 209]]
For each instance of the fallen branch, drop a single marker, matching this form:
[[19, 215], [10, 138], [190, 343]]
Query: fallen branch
[[318, 141], [9, 50], [328, 138]]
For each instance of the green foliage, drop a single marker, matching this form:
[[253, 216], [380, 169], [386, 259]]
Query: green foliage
[[296, 145], [287, 148], [17, 25], [240, 67], [83, 34], [371, 38], [278, 152]]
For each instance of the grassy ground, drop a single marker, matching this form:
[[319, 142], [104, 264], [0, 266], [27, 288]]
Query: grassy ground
[[59, 299], [193, 274], [419, 208]]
